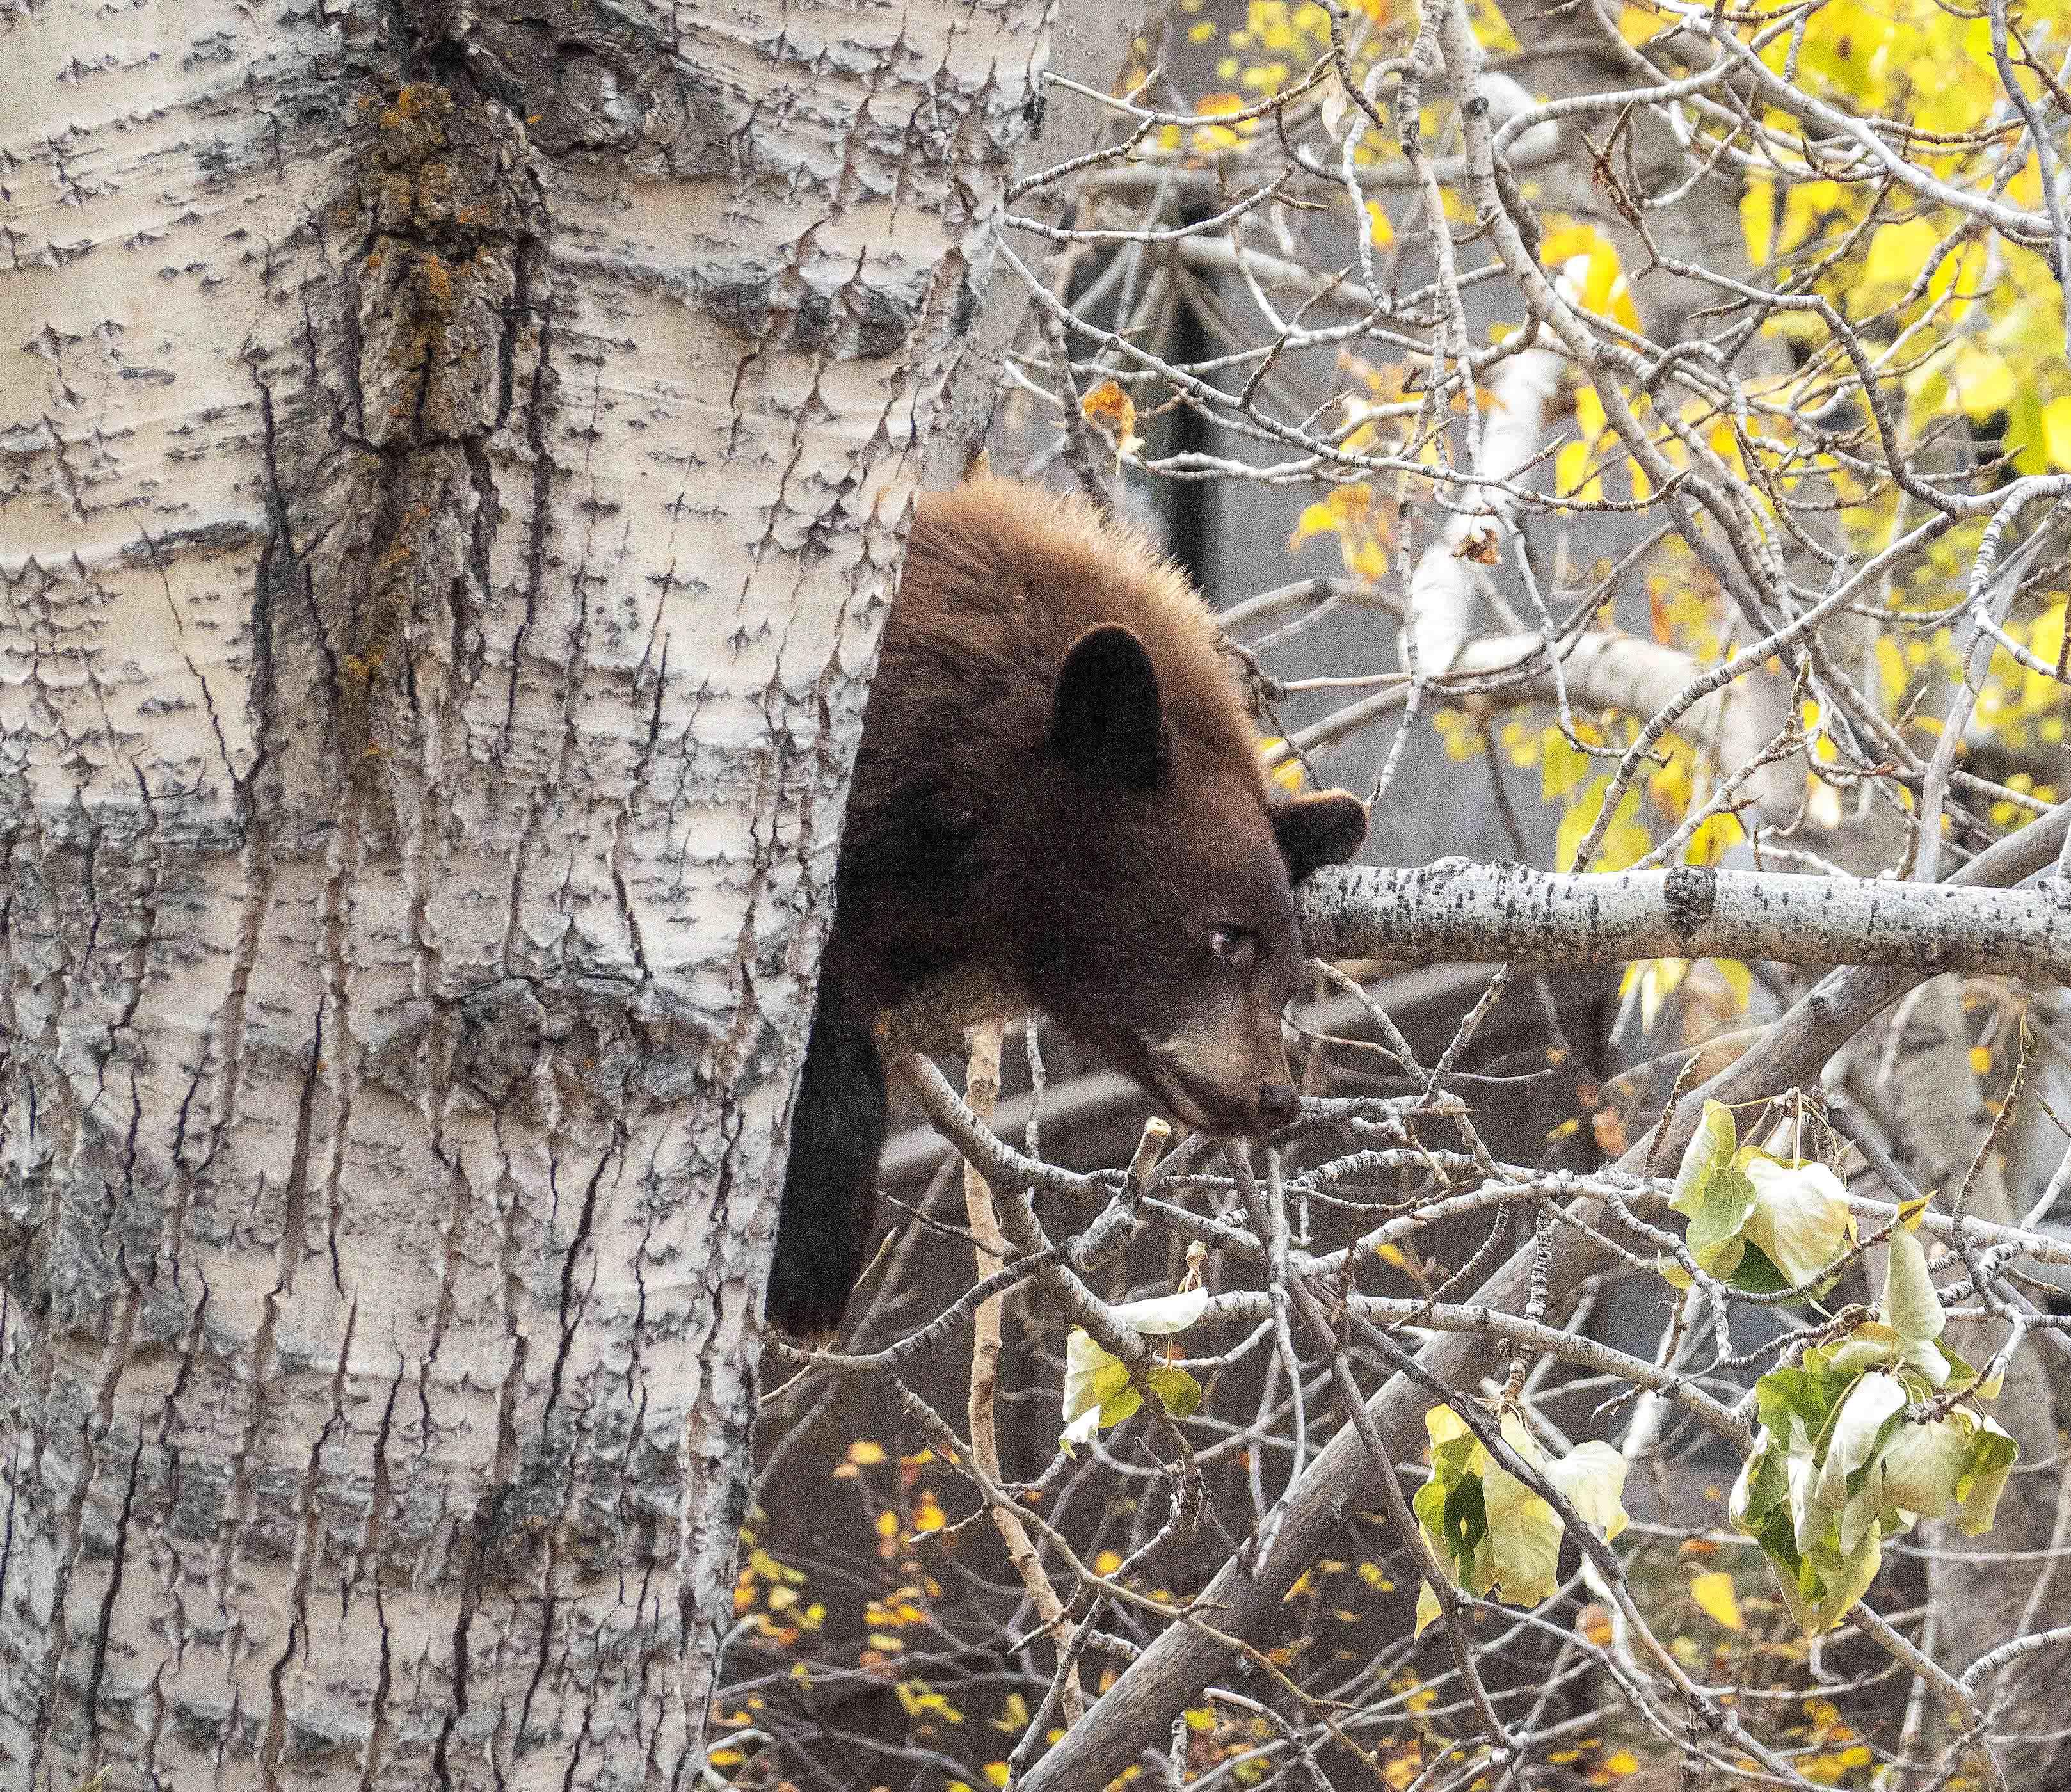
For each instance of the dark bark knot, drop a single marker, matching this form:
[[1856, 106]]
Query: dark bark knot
[[589, 78], [445, 322], [1690, 895], [451, 211]]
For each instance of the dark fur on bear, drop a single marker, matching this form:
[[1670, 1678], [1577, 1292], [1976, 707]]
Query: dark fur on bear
[[1057, 785]]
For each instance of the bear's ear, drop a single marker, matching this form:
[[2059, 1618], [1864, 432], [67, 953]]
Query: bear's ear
[[1324, 828], [1106, 721]]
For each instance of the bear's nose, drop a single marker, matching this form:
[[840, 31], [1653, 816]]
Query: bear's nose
[[1278, 1103]]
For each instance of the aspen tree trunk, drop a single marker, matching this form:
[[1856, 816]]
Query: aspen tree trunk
[[454, 463]]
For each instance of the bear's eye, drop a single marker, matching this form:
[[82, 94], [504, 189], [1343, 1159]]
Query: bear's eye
[[1234, 945]]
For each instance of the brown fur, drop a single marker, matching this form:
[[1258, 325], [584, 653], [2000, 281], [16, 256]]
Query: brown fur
[[1057, 785]]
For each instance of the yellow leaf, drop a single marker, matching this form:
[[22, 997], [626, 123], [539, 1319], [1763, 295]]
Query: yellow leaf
[[2057, 431], [1985, 382], [1564, 244], [1624, 840], [1758, 218], [1715, 1598], [1981, 1060], [1462, 737], [1739, 981], [1637, 24], [1571, 468], [1899, 252], [1383, 231], [1111, 410], [1603, 270], [1714, 834], [1726, 444], [1564, 767], [1281, 767], [2045, 641], [1315, 519], [864, 1453]]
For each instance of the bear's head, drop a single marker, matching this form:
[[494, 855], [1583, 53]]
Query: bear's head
[[1164, 930]]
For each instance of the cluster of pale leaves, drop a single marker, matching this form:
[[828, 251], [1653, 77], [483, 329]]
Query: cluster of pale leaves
[[1844, 1460], [1860, 1437]]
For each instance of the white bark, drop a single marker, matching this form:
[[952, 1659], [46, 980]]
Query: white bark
[[1486, 914], [450, 495], [1441, 590]]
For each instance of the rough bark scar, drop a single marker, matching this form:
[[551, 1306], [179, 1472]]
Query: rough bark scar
[[445, 316], [1691, 894]]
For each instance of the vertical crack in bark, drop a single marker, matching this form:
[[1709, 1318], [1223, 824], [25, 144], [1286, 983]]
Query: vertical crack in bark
[[369, 1562], [294, 1199], [309, 1512], [479, 1537], [106, 1624]]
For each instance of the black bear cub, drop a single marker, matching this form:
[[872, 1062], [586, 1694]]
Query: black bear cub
[[1056, 784]]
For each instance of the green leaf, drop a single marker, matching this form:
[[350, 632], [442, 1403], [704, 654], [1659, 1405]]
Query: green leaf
[[1524, 1539], [1098, 1391], [1713, 1194], [1178, 1391], [1922, 1465], [1115, 1397], [1463, 1520], [1430, 1507], [1591, 1477], [1762, 1490], [1809, 1519], [1808, 1394], [1910, 1305], [1859, 1427], [1716, 1233], [1772, 1503], [1871, 1345], [1755, 1274], [1710, 1150], [1992, 1455], [1800, 1220], [1492, 1531], [1758, 1223], [1836, 1582]]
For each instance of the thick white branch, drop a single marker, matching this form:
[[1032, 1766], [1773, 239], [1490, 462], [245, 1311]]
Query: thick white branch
[[1606, 669], [1442, 587], [1456, 911]]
